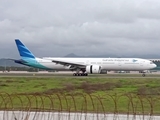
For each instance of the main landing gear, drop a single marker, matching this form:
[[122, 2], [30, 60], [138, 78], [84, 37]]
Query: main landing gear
[[80, 74], [143, 75]]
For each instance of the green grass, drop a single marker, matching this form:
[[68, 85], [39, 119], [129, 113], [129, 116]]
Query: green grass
[[89, 94]]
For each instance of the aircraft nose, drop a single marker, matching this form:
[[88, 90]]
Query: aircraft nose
[[154, 65]]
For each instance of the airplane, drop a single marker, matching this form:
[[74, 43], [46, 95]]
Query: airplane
[[82, 66]]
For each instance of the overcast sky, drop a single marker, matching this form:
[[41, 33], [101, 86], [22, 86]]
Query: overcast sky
[[83, 27]]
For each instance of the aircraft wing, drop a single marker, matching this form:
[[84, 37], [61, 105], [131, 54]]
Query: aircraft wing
[[67, 63]]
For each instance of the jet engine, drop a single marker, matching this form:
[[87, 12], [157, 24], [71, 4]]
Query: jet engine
[[92, 69]]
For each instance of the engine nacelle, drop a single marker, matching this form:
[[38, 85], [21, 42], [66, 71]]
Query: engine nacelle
[[92, 69]]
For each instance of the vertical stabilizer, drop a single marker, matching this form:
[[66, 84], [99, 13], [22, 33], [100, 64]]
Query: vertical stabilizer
[[23, 50]]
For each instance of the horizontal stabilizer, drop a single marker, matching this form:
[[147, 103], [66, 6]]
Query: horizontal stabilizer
[[20, 61]]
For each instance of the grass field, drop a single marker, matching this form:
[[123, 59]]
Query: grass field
[[81, 85], [116, 94]]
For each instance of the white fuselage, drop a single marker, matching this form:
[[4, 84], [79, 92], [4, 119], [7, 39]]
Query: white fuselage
[[132, 64]]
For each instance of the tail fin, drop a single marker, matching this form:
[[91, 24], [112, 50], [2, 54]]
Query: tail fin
[[23, 50]]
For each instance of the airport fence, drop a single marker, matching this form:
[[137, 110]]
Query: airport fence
[[79, 107]]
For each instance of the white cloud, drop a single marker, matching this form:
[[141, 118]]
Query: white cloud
[[56, 28]]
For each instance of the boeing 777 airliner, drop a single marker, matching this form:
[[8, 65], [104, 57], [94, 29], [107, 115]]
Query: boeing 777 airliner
[[82, 66]]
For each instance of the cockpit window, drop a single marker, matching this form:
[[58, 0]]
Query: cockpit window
[[151, 62]]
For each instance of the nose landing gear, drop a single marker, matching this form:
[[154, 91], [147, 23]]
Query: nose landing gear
[[143, 75]]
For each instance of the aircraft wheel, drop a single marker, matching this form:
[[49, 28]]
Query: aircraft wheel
[[85, 74], [75, 74], [80, 74], [143, 75]]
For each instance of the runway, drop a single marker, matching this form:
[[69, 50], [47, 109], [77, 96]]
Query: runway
[[23, 115], [70, 74]]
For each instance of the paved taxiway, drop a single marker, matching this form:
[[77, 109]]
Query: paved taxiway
[[69, 74]]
